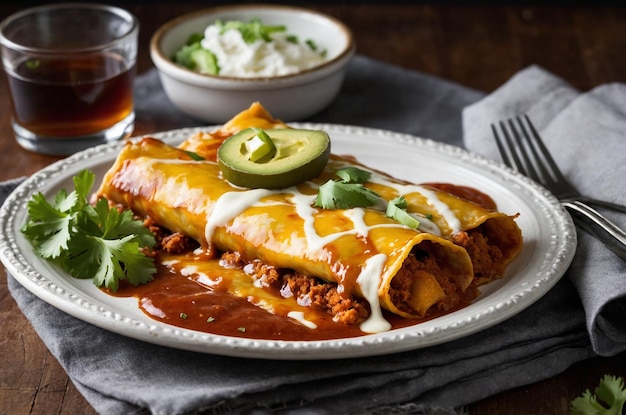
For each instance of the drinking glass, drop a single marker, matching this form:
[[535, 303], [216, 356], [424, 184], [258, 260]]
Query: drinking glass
[[70, 69]]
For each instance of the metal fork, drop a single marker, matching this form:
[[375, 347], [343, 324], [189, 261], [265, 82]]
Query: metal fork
[[521, 147]]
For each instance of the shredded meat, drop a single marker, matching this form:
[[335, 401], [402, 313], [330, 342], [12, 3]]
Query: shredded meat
[[486, 255]]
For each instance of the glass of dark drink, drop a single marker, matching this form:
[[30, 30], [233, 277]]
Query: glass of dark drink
[[70, 69]]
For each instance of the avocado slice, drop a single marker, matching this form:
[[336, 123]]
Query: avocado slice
[[273, 158]]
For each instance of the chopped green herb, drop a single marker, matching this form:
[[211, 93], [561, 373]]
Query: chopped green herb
[[242, 329], [311, 44], [251, 31], [396, 209], [210, 319], [194, 156], [341, 195], [429, 216], [609, 398], [353, 175], [183, 316], [97, 242], [348, 192]]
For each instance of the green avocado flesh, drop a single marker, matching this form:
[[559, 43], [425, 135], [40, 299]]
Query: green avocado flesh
[[291, 156]]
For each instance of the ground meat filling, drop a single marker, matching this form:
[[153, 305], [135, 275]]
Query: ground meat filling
[[308, 291], [487, 257], [422, 261], [170, 242]]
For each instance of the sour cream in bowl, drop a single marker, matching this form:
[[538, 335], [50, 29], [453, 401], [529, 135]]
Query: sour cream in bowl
[[214, 62]]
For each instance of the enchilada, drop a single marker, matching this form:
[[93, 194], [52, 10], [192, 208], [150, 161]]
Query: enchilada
[[361, 252], [462, 215]]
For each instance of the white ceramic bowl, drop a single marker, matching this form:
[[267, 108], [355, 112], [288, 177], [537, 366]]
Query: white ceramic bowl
[[216, 99]]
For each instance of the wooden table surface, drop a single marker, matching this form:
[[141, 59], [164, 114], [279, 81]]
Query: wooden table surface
[[480, 46]]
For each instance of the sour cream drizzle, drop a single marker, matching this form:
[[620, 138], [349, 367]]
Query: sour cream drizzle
[[369, 281], [299, 317], [229, 205]]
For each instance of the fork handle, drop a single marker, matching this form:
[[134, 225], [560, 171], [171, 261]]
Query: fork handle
[[590, 201], [596, 224]]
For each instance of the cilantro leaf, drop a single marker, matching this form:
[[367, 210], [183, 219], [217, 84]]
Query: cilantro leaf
[[49, 228], [195, 156], [348, 192], [341, 195], [88, 241], [83, 182], [353, 175], [396, 209], [609, 398]]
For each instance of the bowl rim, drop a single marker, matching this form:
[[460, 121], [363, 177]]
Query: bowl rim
[[164, 63]]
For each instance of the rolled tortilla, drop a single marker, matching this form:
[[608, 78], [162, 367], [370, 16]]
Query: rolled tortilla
[[410, 271]]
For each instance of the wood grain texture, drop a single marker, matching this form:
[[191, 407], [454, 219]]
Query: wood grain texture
[[479, 46]]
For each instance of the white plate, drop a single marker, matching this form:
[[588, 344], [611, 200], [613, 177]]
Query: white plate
[[549, 246]]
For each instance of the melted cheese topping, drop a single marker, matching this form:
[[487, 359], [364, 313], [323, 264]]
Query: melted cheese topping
[[231, 204]]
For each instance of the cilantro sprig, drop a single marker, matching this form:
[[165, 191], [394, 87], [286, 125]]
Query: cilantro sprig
[[90, 241], [397, 210], [347, 192], [609, 398]]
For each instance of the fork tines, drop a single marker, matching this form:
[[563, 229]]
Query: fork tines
[[521, 148]]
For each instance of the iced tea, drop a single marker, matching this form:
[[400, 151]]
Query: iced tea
[[60, 97], [70, 69]]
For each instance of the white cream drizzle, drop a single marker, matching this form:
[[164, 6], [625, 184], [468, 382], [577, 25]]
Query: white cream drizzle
[[299, 317], [231, 204], [369, 282], [203, 278], [151, 308]]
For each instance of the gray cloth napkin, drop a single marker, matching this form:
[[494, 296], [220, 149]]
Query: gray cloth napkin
[[586, 134], [119, 375]]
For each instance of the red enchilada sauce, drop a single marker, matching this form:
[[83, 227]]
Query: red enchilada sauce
[[184, 302], [465, 192], [195, 292]]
